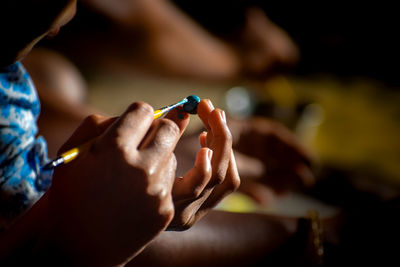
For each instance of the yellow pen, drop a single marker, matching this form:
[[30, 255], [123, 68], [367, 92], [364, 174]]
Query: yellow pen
[[189, 105]]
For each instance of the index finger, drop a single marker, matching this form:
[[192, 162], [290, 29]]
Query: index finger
[[131, 127], [204, 109], [165, 133], [160, 142]]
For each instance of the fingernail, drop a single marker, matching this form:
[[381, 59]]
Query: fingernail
[[210, 104], [223, 116], [209, 154], [203, 139]]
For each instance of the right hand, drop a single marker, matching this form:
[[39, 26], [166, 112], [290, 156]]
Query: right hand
[[113, 199]]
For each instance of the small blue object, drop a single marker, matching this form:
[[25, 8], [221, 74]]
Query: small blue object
[[191, 105]]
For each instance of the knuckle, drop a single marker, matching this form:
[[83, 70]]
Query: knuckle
[[218, 178], [166, 212], [170, 126], [126, 153], [146, 169], [162, 210], [225, 137], [141, 107], [196, 191], [185, 220], [141, 169], [233, 183], [228, 137], [161, 202], [90, 120], [157, 192], [174, 162]]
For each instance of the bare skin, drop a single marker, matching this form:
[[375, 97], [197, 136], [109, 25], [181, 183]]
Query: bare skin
[[287, 165], [239, 239], [157, 37], [270, 159], [90, 213], [130, 167], [62, 93], [98, 208], [194, 197], [173, 43], [221, 239]]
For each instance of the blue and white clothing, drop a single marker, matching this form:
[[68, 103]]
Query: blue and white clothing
[[21, 154]]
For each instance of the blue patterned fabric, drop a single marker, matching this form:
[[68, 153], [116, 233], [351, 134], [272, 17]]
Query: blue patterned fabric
[[21, 181]]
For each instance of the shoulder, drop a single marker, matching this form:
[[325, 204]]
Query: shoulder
[[19, 108], [17, 89]]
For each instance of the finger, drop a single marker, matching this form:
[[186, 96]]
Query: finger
[[177, 115], [131, 127], [168, 174], [204, 109], [203, 139], [180, 117], [161, 185], [195, 180], [90, 128], [219, 139], [211, 196], [231, 183], [186, 213], [161, 140]]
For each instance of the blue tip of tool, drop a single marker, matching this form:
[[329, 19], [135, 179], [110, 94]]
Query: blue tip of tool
[[191, 105]]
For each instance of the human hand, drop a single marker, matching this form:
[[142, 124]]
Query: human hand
[[269, 154], [214, 174], [263, 46], [107, 204]]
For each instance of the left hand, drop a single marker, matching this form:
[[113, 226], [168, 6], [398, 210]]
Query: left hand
[[214, 174]]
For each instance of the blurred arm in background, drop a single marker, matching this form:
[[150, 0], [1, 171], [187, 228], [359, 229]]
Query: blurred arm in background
[[179, 43]]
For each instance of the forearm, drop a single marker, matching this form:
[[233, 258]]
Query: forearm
[[127, 13], [18, 242], [123, 12], [220, 238]]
